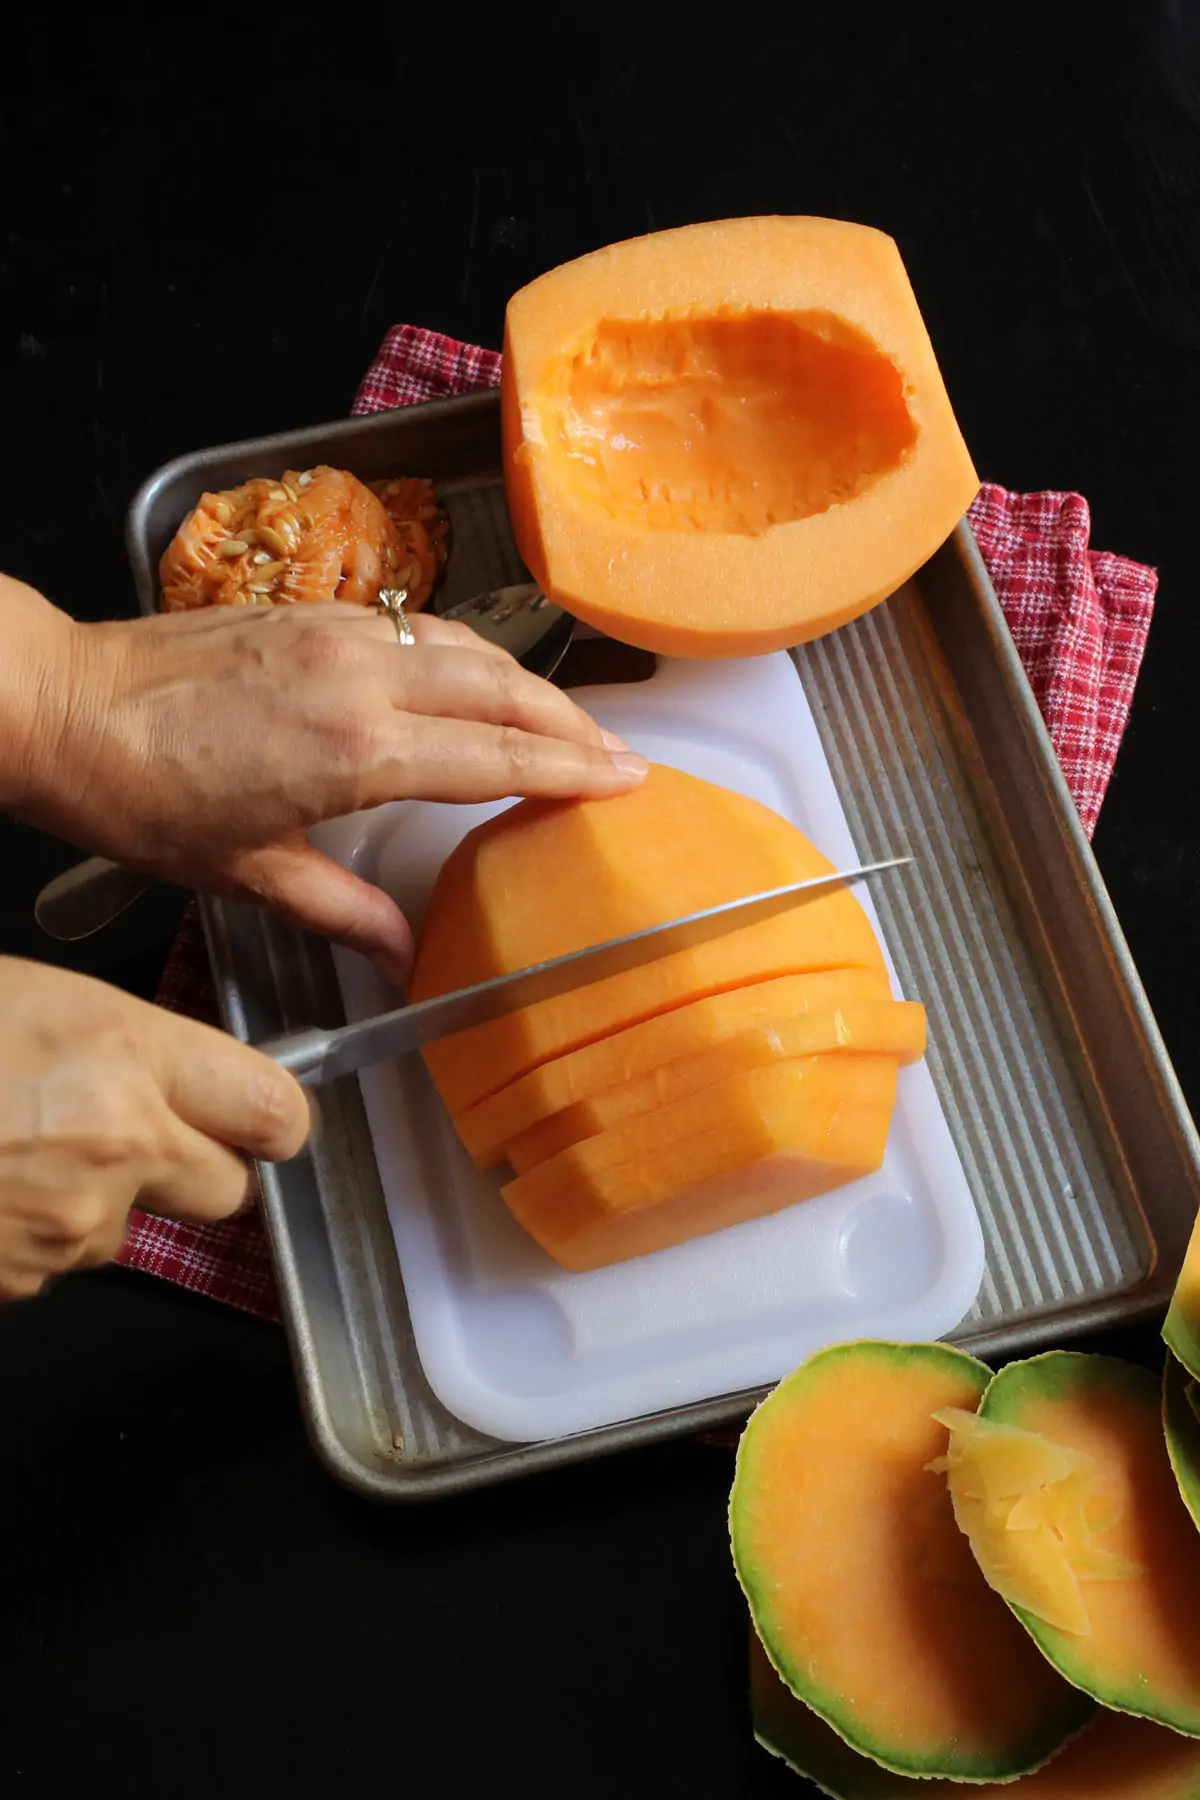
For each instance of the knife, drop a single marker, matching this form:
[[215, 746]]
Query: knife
[[320, 1056]]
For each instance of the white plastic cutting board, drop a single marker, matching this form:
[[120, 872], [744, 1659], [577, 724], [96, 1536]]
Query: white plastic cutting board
[[519, 1348]]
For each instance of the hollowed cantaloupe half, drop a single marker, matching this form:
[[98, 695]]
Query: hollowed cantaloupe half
[[546, 878], [1182, 1328], [728, 438], [627, 1055], [738, 1150], [896, 1028], [1139, 1650], [862, 1590], [1114, 1758]]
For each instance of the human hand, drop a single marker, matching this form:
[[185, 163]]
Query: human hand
[[200, 747], [107, 1103]]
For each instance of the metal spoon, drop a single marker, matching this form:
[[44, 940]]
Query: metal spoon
[[521, 620], [86, 898]]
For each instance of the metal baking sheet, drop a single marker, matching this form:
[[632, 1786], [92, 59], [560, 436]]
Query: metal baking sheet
[[1083, 1160]]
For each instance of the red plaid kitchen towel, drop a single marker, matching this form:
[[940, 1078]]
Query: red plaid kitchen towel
[[1079, 618]]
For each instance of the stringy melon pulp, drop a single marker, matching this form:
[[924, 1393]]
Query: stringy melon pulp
[[1032, 1511]]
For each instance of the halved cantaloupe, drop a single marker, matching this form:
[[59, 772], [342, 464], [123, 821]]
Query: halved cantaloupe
[[548, 877], [626, 1055], [1181, 1428], [748, 1146], [861, 1588], [1034, 1513], [1114, 1758], [729, 438], [1141, 1654], [1182, 1328], [895, 1029]]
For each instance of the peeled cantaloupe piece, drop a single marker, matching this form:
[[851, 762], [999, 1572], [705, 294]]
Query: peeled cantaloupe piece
[[486, 1128], [1114, 1758], [895, 1029], [729, 438], [743, 1148], [549, 877], [1182, 1328], [1142, 1653], [861, 1589], [1033, 1512]]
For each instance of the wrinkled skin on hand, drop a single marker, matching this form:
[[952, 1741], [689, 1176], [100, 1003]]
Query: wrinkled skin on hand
[[201, 747]]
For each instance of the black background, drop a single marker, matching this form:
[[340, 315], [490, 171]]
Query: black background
[[206, 225]]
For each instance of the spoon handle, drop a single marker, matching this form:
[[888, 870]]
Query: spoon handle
[[86, 898]]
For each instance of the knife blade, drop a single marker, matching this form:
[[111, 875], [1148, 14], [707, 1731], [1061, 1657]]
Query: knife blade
[[319, 1056]]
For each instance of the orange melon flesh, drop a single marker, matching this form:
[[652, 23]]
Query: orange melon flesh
[[1142, 1654], [549, 877], [1115, 1758], [486, 1128], [861, 1588], [1182, 1328], [741, 1149], [895, 1029], [728, 438], [1032, 1511]]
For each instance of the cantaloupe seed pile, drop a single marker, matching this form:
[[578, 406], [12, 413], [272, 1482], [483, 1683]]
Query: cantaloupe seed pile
[[960, 1577], [712, 1086]]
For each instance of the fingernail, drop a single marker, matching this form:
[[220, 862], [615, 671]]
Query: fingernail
[[630, 763], [611, 741]]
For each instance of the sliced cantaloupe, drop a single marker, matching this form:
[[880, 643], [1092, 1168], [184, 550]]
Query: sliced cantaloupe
[[1142, 1652], [862, 1590], [546, 878], [1181, 1428], [748, 1146], [624, 1056], [894, 1029], [729, 438], [1182, 1328], [1114, 1758], [1033, 1512]]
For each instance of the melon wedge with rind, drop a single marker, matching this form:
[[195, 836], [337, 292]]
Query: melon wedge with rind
[[862, 1591], [1182, 1329], [1181, 1428], [1143, 1652], [1115, 1758]]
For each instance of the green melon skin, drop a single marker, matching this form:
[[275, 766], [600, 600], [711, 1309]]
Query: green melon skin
[[1181, 1332], [1071, 1374], [1181, 1428], [788, 1729], [1115, 1758], [868, 1769]]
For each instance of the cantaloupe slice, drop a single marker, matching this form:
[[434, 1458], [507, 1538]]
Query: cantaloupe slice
[[625, 1055], [728, 438], [545, 878], [1142, 1652], [1034, 1512], [1114, 1758], [1182, 1328], [861, 1588], [1181, 1428], [743, 1148], [894, 1029]]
